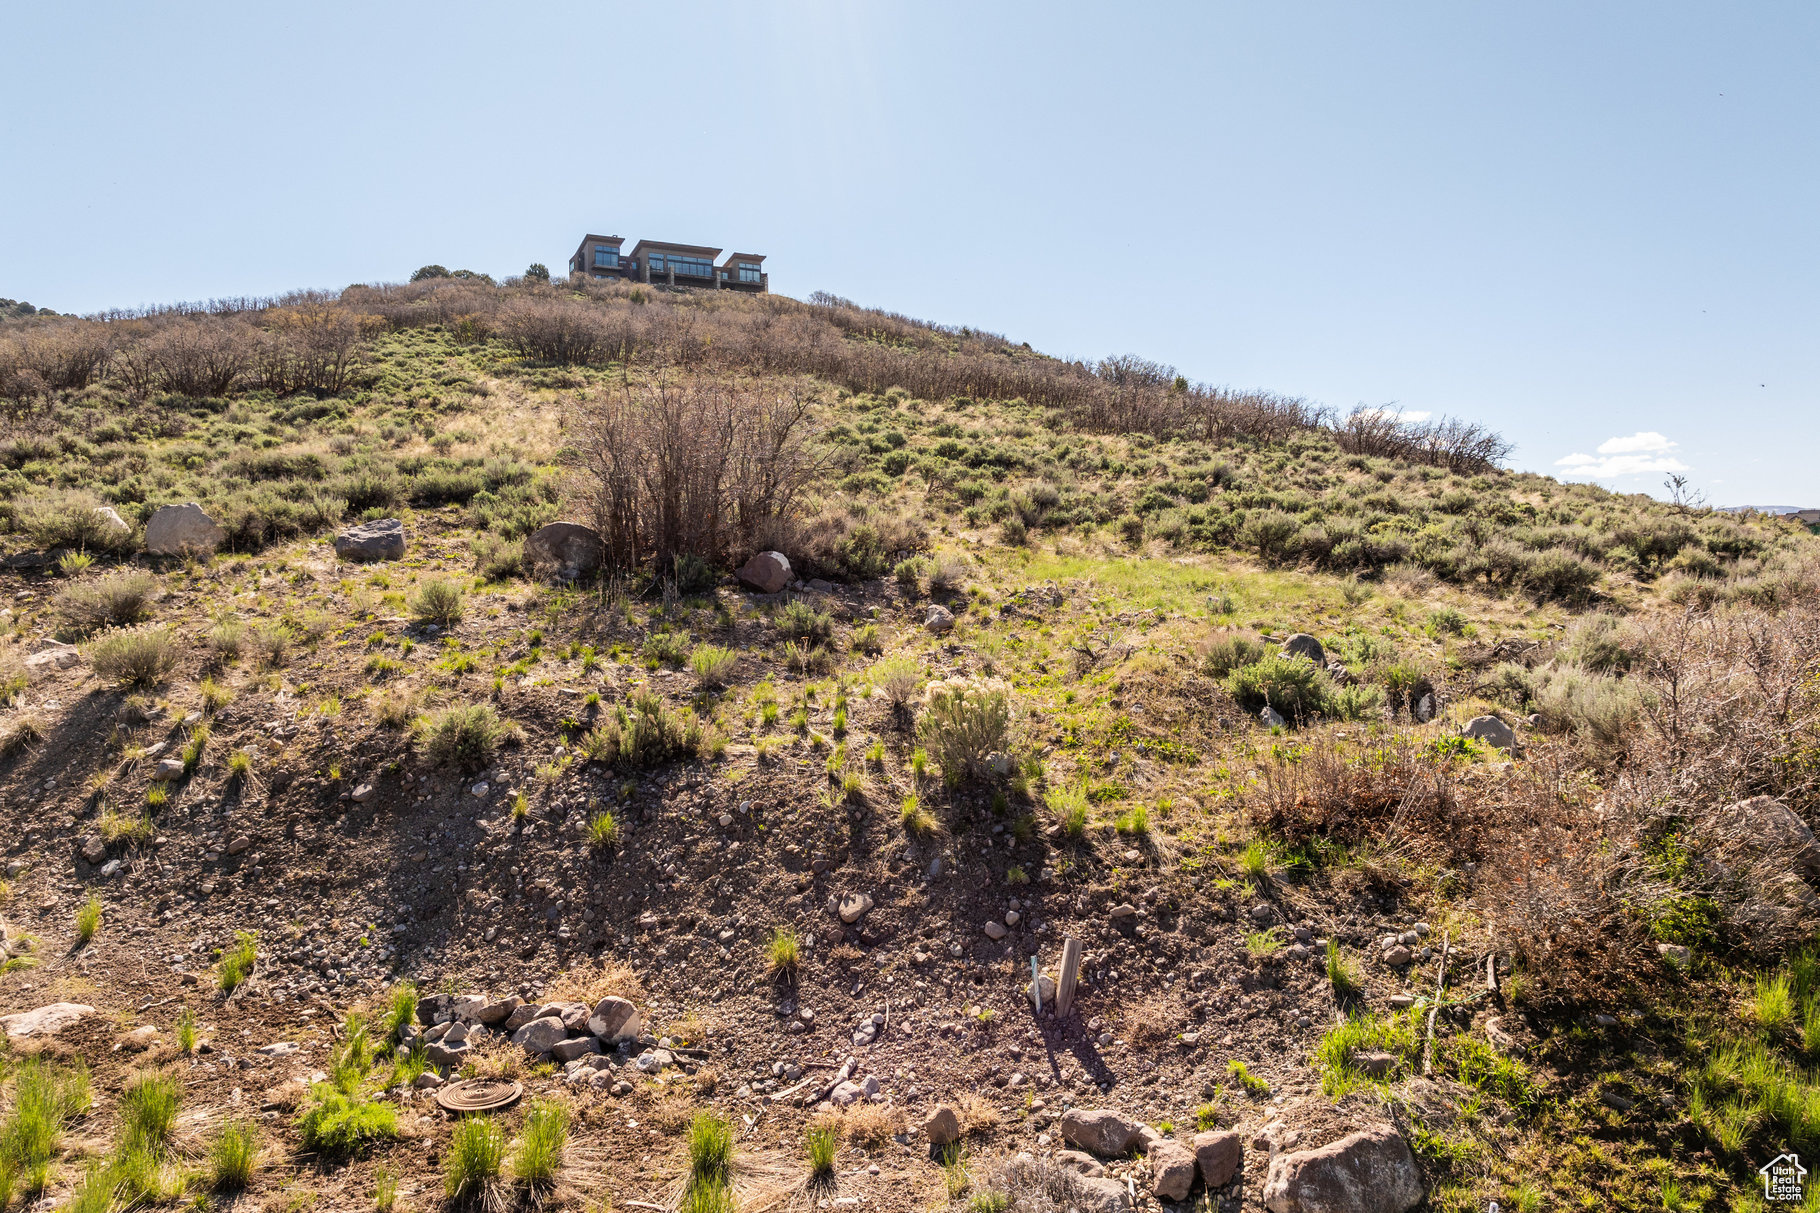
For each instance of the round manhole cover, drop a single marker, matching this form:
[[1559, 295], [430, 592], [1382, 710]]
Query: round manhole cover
[[478, 1095]]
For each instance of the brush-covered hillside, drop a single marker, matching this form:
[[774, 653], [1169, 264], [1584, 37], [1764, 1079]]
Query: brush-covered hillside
[[1413, 817]]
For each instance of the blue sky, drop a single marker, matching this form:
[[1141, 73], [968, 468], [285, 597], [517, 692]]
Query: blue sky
[[1592, 227]]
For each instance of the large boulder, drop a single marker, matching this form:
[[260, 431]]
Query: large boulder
[[1172, 1170], [569, 547], [541, 1035], [1368, 1172], [614, 1019], [1303, 645], [1491, 731], [1220, 1157], [767, 572], [1100, 1131], [381, 540], [44, 1021], [182, 530]]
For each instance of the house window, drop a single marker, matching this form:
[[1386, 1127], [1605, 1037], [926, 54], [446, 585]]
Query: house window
[[606, 258], [748, 272]]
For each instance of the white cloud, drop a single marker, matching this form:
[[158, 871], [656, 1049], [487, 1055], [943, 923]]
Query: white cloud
[[1644, 440], [1640, 454]]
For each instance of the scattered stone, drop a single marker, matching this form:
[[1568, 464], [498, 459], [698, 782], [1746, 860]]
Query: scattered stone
[[239, 844], [1086, 1164], [767, 572], [94, 850], [571, 548], [938, 620], [577, 1047], [1615, 1101], [943, 1127], [540, 1035], [279, 1048], [1172, 1170], [1262, 912], [44, 1021], [1374, 1065], [1397, 955], [1272, 718], [517, 1018], [1675, 955], [1303, 645], [1425, 708], [429, 1080], [1763, 826], [995, 930], [139, 1039], [180, 530], [1368, 1172], [381, 540], [1491, 731], [845, 1093], [1220, 1156], [1401, 1002], [615, 1019], [853, 907], [1100, 1131], [361, 793], [50, 655], [168, 769]]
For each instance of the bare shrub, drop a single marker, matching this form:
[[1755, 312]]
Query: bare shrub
[[65, 354], [198, 356], [313, 347], [562, 331], [698, 470]]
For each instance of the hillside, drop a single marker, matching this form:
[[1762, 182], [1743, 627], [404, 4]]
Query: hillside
[[1379, 785]]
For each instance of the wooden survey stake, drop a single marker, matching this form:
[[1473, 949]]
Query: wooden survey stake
[[1071, 971]]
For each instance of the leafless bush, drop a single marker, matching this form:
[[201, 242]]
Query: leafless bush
[[312, 347], [555, 330], [198, 356], [1461, 446], [62, 354], [694, 469]]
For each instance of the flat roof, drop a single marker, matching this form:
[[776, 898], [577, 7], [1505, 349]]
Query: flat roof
[[665, 246], [732, 257]]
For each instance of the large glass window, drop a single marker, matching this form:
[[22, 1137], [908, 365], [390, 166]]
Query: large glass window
[[748, 272], [606, 258], [684, 267]]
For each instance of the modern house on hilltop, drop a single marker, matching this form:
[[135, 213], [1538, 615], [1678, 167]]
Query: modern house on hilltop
[[669, 264]]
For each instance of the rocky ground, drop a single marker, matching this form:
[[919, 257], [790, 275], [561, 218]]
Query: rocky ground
[[359, 865]]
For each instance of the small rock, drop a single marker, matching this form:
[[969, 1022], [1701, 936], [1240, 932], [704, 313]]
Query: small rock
[[1303, 645], [995, 930], [938, 620], [361, 793], [93, 849], [381, 540], [1220, 1156], [1368, 1172], [239, 844], [1272, 718], [1100, 1131], [767, 572], [168, 769], [1675, 955], [853, 907], [1375, 1065], [943, 1127], [615, 1019], [540, 1035], [1172, 1170], [1491, 731], [1396, 955]]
